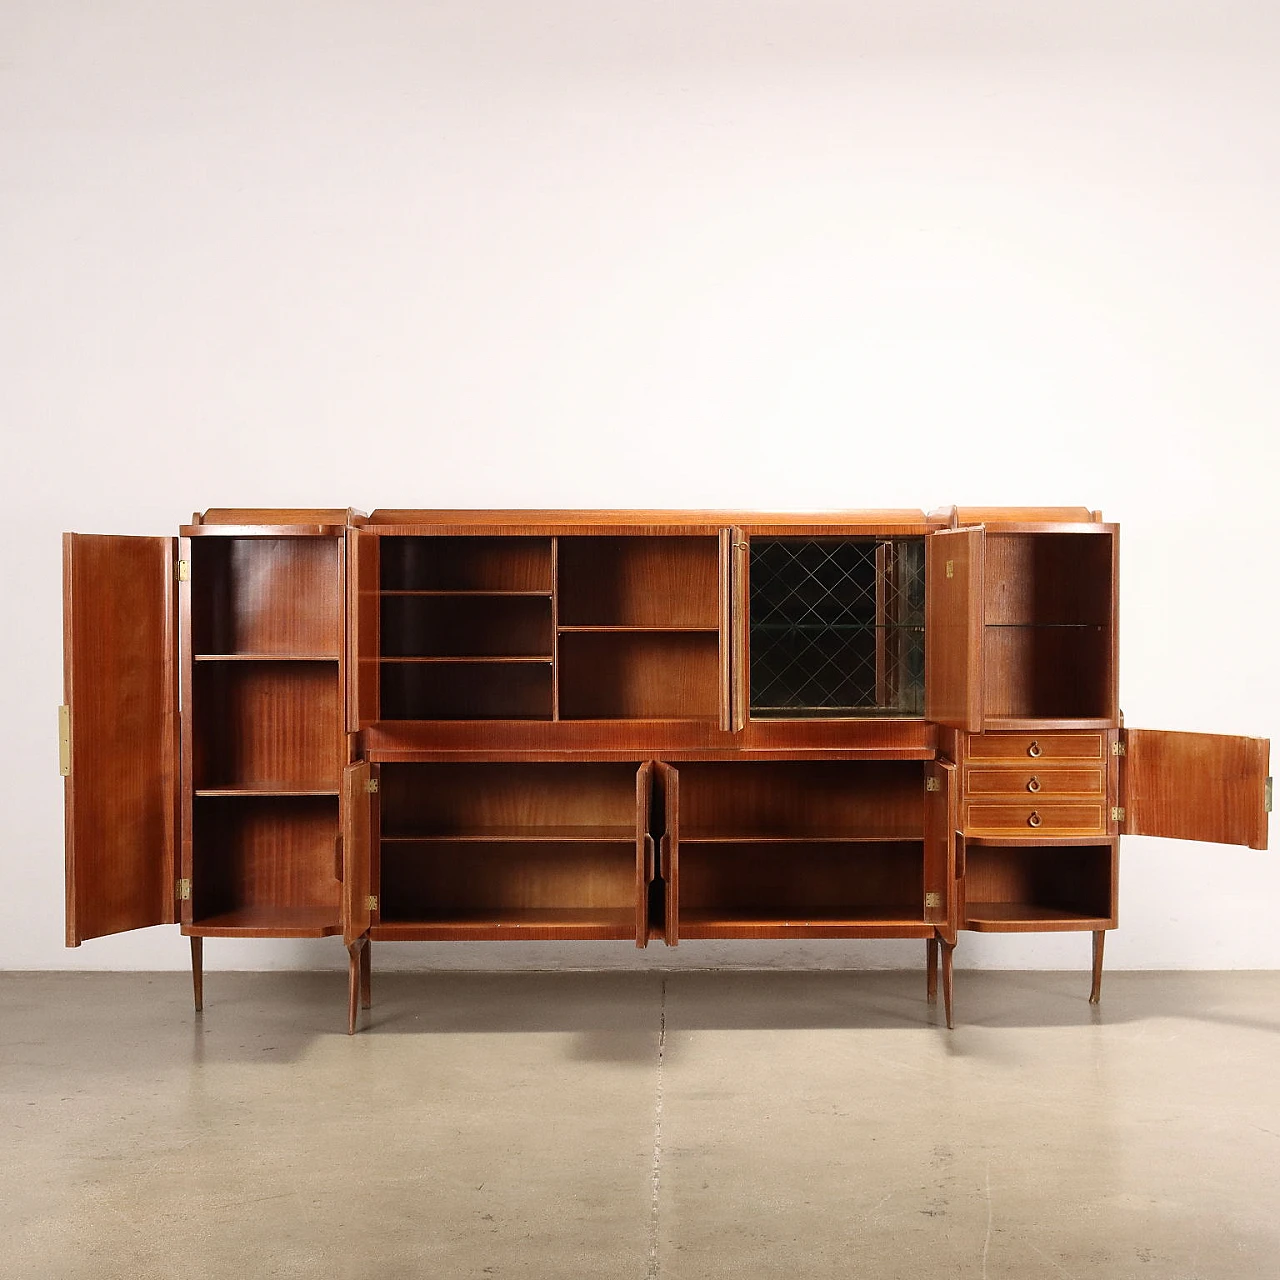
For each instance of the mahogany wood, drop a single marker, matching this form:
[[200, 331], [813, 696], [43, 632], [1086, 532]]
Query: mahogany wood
[[931, 970], [197, 973], [664, 675], [363, 637], [357, 844], [638, 581], [120, 674], [953, 634], [941, 808], [1099, 941], [948, 950]]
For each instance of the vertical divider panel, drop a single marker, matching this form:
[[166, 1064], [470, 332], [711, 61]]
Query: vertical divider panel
[[955, 626], [725, 601], [364, 610], [555, 628], [644, 850], [186, 736], [740, 617], [357, 844], [669, 787], [940, 809]]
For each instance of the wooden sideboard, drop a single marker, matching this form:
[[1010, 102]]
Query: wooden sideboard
[[644, 726]]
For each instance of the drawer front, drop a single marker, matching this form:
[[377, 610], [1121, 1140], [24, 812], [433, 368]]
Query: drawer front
[[1037, 746], [1031, 780], [1030, 818]]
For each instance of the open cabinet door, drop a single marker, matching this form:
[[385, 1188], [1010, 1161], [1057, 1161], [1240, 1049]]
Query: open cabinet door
[[740, 630], [357, 851], [669, 860], [954, 620], [363, 622], [941, 818], [645, 870], [119, 732], [1195, 786]]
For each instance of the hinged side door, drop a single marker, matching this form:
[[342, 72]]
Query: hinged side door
[[941, 812], [725, 582], [645, 869], [363, 626], [669, 849], [740, 627], [359, 810], [1195, 786], [120, 756], [954, 621]]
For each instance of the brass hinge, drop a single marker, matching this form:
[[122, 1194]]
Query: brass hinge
[[64, 741], [371, 902], [1266, 796], [372, 786], [1117, 748], [184, 890], [951, 568], [932, 901], [1117, 813], [933, 784], [184, 570]]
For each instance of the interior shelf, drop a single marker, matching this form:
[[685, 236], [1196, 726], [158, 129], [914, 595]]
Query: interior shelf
[[594, 835], [265, 657], [1013, 917], [466, 565], [651, 629], [702, 837], [1030, 887], [469, 594], [474, 657], [267, 791], [268, 922], [532, 923]]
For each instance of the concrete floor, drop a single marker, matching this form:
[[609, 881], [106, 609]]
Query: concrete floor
[[686, 1127]]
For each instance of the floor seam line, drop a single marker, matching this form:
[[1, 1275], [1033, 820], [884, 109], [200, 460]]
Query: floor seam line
[[655, 1175]]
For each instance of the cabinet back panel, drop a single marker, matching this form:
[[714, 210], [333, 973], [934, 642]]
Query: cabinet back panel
[[429, 799], [265, 724], [658, 582], [440, 880], [465, 564], [264, 851], [638, 676], [466, 691], [265, 595], [1070, 878], [792, 878], [1048, 578], [810, 798], [1047, 673], [462, 626]]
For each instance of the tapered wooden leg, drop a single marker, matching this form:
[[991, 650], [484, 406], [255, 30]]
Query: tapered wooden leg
[[366, 975], [353, 986], [1099, 938], [947, 949], [197, 972], [931, 968]]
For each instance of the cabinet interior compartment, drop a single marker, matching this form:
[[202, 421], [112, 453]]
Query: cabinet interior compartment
[[510, 850], [266, 726], [266, 862], [1049, 626], [462, 690], [639, 675], [1022, 887], [465, 564], [836, 627], [269, 596], [639, 582], [462, 626]]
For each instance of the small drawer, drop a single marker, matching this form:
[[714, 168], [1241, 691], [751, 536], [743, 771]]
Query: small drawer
[[1032, 819], [1088, 780], [1037, 746]]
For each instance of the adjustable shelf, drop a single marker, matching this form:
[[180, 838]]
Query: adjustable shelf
[[265, 657], [269, 922]]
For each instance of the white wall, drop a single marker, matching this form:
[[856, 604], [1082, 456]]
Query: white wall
[[625, 253]]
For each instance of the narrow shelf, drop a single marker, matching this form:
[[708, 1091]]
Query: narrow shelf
[[265, 657], [1024, 917], [511, 922], [757, 838], [543, 658], [889, 920], [281, 790], [1049, 626], [543, 595], [1042, 724], [523, 835], [1029, 840], [268, 922], [651, 629], [837, 626]]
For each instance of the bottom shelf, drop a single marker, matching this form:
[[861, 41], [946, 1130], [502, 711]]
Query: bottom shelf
[[1027, 917], [525, 924], [268, 922], [887, 921]]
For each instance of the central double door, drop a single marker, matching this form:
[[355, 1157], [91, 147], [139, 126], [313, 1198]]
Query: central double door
[[650, 850]]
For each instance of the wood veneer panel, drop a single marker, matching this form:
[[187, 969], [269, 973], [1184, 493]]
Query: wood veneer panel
[[1048, 578], [1047, 673], [671, 675], [1022, 888], [267, 725], [527, 924], [466, 691], [827, 799], [119, 640], [266, 596], [263, 853], [470, 800], [638, 581], [466, 626], [953, 637], [1195, 786], [476, 563], [358, 828]]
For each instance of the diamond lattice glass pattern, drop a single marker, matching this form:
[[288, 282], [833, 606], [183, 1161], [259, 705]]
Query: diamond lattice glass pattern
[[837, 627]]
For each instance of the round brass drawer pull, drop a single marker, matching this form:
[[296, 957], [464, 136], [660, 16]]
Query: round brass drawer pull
[[1034, 784], [1034, 750], [1034, 820]]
